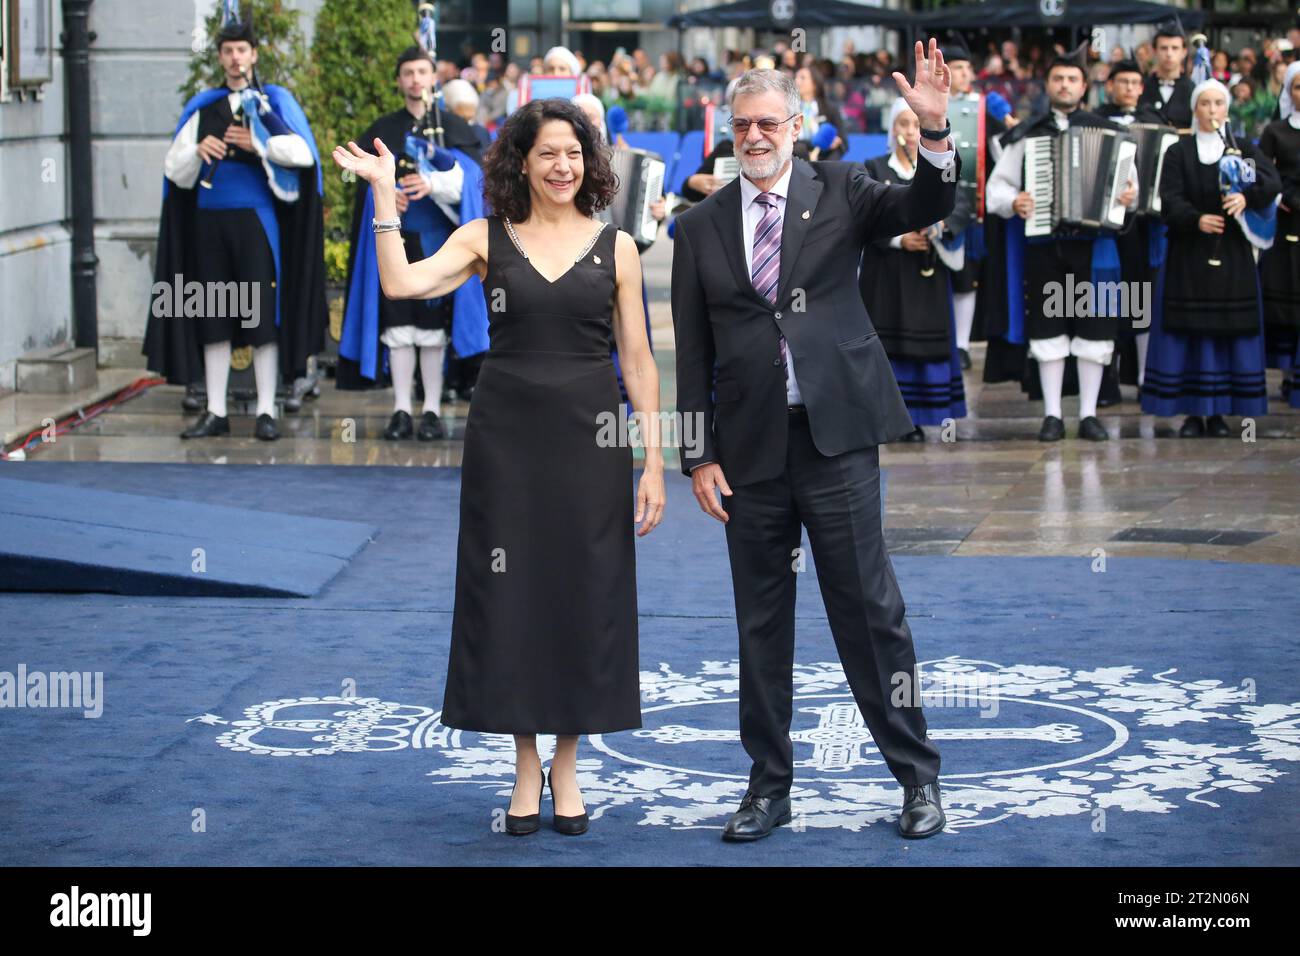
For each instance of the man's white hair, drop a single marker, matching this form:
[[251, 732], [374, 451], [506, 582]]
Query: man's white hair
[[458, 91], [766, 81], [590, 99]]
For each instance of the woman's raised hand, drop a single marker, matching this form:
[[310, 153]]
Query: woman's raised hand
[[369, 167]]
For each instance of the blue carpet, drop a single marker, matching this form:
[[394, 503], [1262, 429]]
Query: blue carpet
[[1146, 715], [60, 538]]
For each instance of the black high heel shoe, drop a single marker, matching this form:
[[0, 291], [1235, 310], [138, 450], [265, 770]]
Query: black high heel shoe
[[529, 823], [569, 826]]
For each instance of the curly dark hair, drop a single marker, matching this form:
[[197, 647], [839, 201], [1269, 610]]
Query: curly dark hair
[[506, 191]]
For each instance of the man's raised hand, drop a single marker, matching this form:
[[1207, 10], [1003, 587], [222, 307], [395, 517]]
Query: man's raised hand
[[928, 95]]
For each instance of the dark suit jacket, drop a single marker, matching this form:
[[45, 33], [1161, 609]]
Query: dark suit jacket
[[1178, 111], [719, 319]]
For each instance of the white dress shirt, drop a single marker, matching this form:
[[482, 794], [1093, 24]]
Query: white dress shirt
[[753, 214]]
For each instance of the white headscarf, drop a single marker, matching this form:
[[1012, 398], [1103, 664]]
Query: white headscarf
[[1209, 145], [1284, 103], [900, 104], [898, 108], [1206, 85]]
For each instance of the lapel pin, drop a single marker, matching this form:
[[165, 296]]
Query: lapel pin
[[807, 214]]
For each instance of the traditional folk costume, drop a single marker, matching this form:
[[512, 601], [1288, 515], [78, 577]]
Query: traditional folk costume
[[978, 155], [381, 336], [1141, 247], [910, 300], [1207, 346], [1279, 267], [1040, 266], [251, 221]]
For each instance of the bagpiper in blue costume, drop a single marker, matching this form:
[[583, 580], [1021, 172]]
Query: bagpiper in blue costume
[[442, 184], [241, 211]]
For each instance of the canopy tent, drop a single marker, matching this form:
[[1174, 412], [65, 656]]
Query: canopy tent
[[1053, 13], [784, 14]]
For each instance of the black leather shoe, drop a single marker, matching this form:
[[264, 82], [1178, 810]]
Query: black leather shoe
[[964, 357], [915, 435], [1053, 429], [431, 428], [1093, 430], [922, 815], [1216, 427], [191, 402], [569, 826], [1193, 427], [265, 429], [208, 425], [530, 822], [756, 818], [399, 426]]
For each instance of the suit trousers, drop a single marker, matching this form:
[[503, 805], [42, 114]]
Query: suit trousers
[[837, 498]]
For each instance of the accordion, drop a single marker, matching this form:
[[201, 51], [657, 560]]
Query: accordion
[[1076, 178], [640, 184], [1152, 142]]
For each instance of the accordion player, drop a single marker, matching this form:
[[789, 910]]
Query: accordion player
[[1076, 178]]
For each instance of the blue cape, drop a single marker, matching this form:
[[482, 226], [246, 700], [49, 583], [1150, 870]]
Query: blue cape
[[1105, 268], [282, 102], [359, 341], [287, 108]]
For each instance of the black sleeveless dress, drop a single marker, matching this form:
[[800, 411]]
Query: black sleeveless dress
[[544, 629]]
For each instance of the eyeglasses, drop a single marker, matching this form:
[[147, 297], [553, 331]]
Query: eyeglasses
[[740, 126]]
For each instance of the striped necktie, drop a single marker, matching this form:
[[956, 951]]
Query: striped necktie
[[765, 268]]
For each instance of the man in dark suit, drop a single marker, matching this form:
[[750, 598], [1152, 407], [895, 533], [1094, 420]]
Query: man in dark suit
[[765, 288]]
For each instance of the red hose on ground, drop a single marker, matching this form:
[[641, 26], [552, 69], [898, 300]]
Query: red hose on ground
[[82, 415]]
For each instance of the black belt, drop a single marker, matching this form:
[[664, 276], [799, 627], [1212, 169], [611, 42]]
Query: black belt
[[797, 409]]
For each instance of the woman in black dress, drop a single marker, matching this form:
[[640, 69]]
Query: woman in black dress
[[1279, 267], [1206, 356], [544, 630]]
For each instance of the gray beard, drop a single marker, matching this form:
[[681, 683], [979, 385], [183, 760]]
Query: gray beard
[[759, 169]]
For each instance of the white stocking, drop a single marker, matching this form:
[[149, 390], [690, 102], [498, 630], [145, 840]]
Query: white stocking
[[1143, 340], [1089, 386], [216, 375], [963, 310], [266, 360], [401, 362], [1051, 375], [431, 375]]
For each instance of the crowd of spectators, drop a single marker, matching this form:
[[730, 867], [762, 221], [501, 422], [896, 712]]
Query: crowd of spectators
[[854, 92]]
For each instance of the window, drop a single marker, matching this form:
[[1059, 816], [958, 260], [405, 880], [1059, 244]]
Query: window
[[26, 46]]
